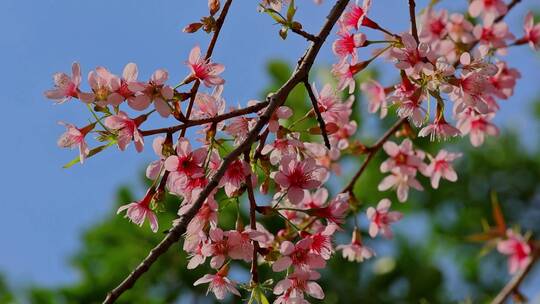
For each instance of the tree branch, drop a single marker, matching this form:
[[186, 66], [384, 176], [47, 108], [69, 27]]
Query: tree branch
[[196, 122], [275, 100], [305, 34], [513, 285], [314, 103], [412, 13], [371, 153], [252, 223]]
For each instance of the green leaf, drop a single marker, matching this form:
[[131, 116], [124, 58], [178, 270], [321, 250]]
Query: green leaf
[[90, 154], [291, 11], [275, 15]]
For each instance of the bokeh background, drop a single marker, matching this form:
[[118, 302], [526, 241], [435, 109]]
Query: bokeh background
[[61, 241]]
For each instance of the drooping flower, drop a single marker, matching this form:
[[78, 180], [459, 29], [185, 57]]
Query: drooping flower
[[347, 43], [295, 176], [220, 285], [235, 175], [154, 168], [292, 288], [355, 15], [441, 167], [477, 126], [381, 218], [411, 57], [75, 137], [532, 32], [376, 97], [298, 255], [138, 212], [127, 129], [355, 251], [517, 249], [439, 129], [401, 182], [203, 69]]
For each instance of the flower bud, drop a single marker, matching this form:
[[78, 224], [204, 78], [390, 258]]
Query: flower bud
[[213, 6], [192, 27]]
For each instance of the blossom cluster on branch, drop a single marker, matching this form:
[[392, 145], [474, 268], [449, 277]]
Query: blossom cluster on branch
[[452, 74]]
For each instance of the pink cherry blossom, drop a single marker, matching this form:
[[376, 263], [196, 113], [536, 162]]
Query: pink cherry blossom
[[517, 249], [219, 285], [186, 161], [154, 91], [477, 126], [439, 129], [75, 137], [104, 85], [381, 218], [295, 176], [408, 98], [460, 29], [239, 128], [355, 15], [335, 211], [355, 251], [345, 72], [441, 166], [292, 288], [127, 130], [154, 168], [504, 82], [401, 182], [208, 106], [203, 69], [411, 57], [282, 112], [376, 97], [489, 9], [347, 43], [493, 35], [532, 32], [65, 86], [316, 199], [234, 177], [138, 212], [332, 108], [298, 255], [217, 249], [403, 158], [322, 241], [280, 147]]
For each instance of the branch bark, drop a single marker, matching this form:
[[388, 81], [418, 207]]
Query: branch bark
[[315, 104], [412, 13], [275, 100]]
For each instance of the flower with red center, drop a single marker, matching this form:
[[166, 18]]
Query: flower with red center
[[347, 43], [408, 97], [203, 69], [376, 97], [208, 106], [355, 251], [322, 241], [155, 168], [532, 32], [65, 86], [345, 71], [315, 200], [218, 248], [441, 166], [411, 57], [490, 9], [74, 137], [281, 147], [127, 130], [235, 175], [138, 212], [477, 126], [504, 82], [434, 26], [381, 218], [219, 284], [186, 161], [460, 29], [355, 16], [155, 90], [335, 211], [493, 35], [439, 129], [292, 288], [298, 255], [332, 108], [517, 249], [402, 158], [295, 176]]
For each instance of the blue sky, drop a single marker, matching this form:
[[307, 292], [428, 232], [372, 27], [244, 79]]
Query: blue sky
[[45, 207]]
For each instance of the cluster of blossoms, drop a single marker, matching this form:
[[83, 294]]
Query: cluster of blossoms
[[449, 60]]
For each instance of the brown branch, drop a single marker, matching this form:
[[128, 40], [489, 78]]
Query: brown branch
[[412, 13], [219, 24], [275, 100], [196, 122], [305, 34], [320, 119], [252, 223], [371, 153], [513, 285]]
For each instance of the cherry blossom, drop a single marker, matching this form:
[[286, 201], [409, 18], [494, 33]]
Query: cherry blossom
[[376, 97], [138, 212], [381, 218], [298, 255], [401, 182], [219, 285], [127, 130], [355, 251], [441, 167], [532, 32], [203, 70], [439, 129], [65, 86], [75, 137], [295, 176], [517, 249], [292, 289]]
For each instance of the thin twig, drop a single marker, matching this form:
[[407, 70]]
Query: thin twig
[[252, 222], [371, 153], [305, 34], [412, 13], [275, 100], [514, 283], [196, 122], [315, 104]]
